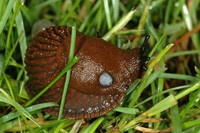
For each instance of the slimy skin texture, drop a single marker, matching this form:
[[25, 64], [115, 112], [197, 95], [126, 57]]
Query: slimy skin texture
[[86, 97]]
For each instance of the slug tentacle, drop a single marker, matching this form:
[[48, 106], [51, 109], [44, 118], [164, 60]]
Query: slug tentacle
[[144, 46], [98, 81], [144, 59]]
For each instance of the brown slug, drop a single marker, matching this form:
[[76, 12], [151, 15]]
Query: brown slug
[[98, 81]]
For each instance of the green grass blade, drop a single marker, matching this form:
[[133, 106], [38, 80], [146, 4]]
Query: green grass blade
[[165, 104], [92, 127], [121, 23], [6, 14], [21, 33], [71, 56], [176, 120], [107, 12], [15, 115], [70, 64], [4, 97]]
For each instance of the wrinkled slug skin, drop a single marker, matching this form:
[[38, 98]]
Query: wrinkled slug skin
[[48, 54]]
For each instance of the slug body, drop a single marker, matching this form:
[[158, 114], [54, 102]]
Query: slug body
[[98, 81]]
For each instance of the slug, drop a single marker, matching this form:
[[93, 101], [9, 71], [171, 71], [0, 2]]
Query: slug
[[98, 81]]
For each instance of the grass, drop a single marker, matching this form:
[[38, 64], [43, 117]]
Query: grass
[[165, 99]]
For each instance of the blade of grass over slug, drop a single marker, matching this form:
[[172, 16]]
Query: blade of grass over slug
[[69, 65], [71, 54], [121, 23]]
